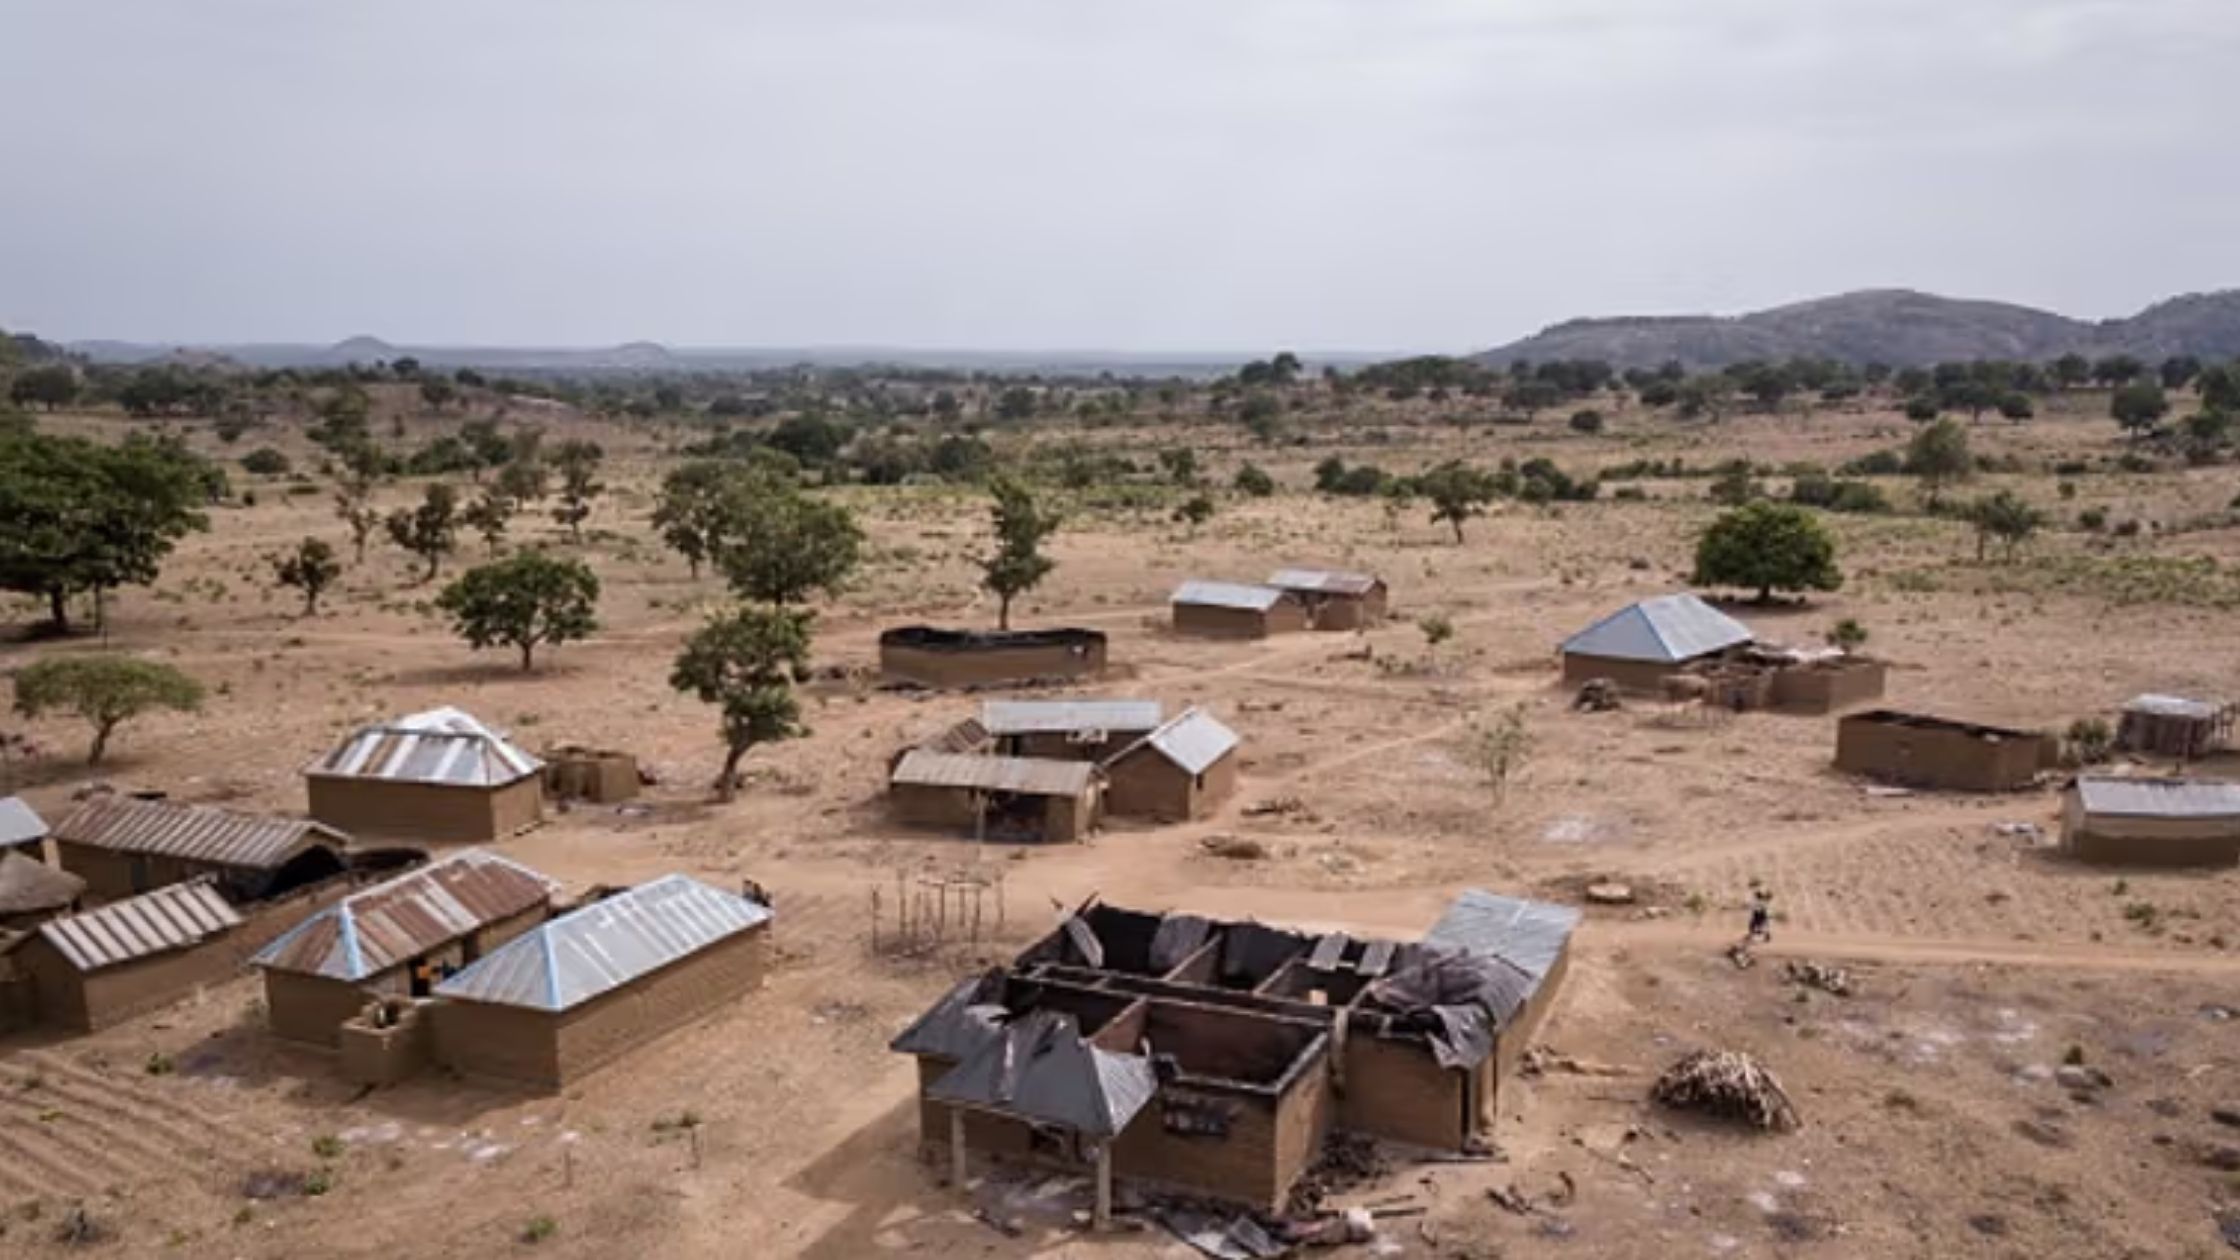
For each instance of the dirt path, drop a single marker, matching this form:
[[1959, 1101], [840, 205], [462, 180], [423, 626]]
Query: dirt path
[[1665, 935]]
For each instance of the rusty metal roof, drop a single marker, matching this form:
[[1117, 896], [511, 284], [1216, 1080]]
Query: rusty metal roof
[[1032, 776], [28, 885], [178, 916], [1194, 740], [1323, 581], [442, 746], [19, 823], [195, 833], [392, 923], [1203, 593], [1043, 717], [601, 947]]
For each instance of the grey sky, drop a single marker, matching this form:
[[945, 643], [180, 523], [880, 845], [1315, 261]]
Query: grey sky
[[1147, 175]]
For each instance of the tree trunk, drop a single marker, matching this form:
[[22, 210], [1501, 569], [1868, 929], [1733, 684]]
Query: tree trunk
[[693, 563], [727, 783], [100, 742], [1457, 532], [527, 661], [58, 609], [1003, 612], [311, 603], [1765, 594]]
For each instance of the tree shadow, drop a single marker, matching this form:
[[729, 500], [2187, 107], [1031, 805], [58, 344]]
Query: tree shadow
[[490, 670]]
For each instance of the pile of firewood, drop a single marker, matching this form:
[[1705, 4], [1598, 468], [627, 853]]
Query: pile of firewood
[[1728, 1084]]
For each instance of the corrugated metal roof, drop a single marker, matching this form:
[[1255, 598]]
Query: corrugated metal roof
[[967, 736], [446, 746], [28, 885], [607, 944], [1669, 628], [1034, 776], [1227, 595], [19, 823], [1037, 717], [1324, 581], [1529, 935], [1194, 740], [960, 1024], [2159, 798], [174, 917], [195, 833], [392, 923], [1040, 1068], [2171, 706]]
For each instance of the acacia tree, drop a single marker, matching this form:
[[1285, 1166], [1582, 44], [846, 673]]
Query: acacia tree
[[1017, 565], [690, 513], [1767, 547], [521, 601], [1457, 492], [488, 516], [578, 465], [1939, 456], [311, 568], [353, 495], [2139, 407], [430, 531], [77, 516], [106, 691], [2006, 517], [779, 546], [745, 662]]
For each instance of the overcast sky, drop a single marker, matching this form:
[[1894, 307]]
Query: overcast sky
[[1148, 175]]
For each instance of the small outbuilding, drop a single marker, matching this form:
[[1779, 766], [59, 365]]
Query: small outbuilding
[[32, 892], [396, 940], [589, 986], [1080, 730], [1918, 750], [2173, 726], [20, 826], [599, 776], [1642, 644], [123, 846], [88, 971], [936, 659], [1007, 799], [436, 776], [2151, 822], [1235, 610], [1335, 598], [1180, 771]]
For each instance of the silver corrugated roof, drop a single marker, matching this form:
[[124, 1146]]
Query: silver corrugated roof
[[394, 922], [1227, 595], [1040, 1068], [2171, 706], [1669, 628], [1324, 581], [960, 1024], [1194, 740], [607, 944], [1528, 935], [195, 833], [1038, 717], [173, 917], [1035, 776], [19, 823], [446, 746], [2159, 798]]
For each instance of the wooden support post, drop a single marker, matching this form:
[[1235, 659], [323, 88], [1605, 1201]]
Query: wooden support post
[[956, 1147], [1102, 1221]]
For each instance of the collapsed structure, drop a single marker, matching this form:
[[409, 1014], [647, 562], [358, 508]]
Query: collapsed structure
[[936, 659], [2151, 822], [2174, 726], [1917, 750], [437, 776], [1212, 1057], [1235, 610], [1335, 599]]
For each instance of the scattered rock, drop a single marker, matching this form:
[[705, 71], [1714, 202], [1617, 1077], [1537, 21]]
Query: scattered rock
[[2044, 1134], [2216, 1155], [1610, 894], [1988, 1224], [1235, 848], [2077, 1077], [2229, 1116]]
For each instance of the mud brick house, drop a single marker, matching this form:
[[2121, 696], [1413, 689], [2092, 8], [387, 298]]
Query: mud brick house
[[1006, 799], [587, 987], [1642, 644], [86, 971], [21, 827], [2151, 822], [396, 939], [122, 846], [1234, 610], [32, 892], [2173, 726], [1335, 599], [1918, 750], [439, 776], [1211, 1058], [1081, 730], [1180, 771], [923, 656]]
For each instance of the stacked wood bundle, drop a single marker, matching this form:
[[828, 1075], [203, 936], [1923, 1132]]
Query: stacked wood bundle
[[1728, 1084]]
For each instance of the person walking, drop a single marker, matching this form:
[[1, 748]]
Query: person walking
[[1761, 917]]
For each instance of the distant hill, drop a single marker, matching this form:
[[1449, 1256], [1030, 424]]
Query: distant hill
[[1900, 327]]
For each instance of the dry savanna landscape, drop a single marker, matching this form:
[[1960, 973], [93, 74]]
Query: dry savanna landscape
[[1992, 1048]]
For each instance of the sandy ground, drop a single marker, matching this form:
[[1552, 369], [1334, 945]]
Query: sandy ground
[[1933, 1124]]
